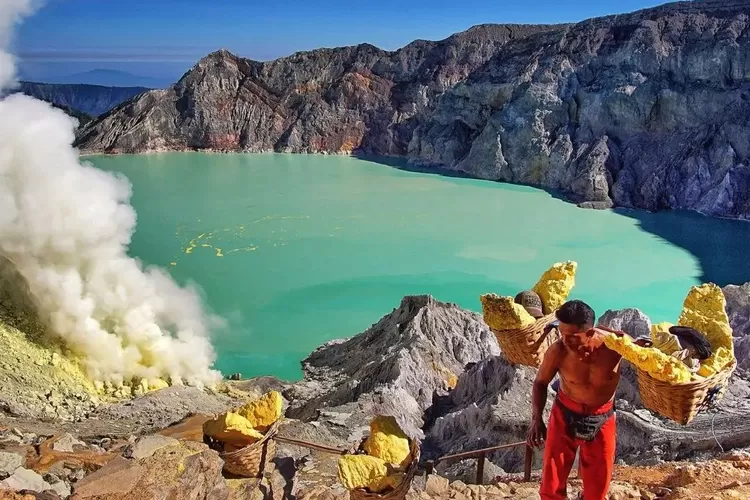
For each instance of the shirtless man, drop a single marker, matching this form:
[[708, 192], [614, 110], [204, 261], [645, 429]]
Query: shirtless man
[[583, 413]]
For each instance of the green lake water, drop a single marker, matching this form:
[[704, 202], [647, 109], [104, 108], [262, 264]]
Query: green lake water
[[296, 250]]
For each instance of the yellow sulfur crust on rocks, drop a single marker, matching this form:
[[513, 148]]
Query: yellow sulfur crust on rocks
[[657, 364], [232, 428], [501, 313], [555, 285], [363, 471], [704, 309], [388, 442], [263, 412], [718, 360], [662, 339]]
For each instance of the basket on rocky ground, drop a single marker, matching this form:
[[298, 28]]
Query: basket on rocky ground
[[526, 346], [251, 460], [400, 491], [682, 402]]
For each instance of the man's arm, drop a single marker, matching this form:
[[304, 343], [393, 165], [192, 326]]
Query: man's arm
[[544, 377], [547, 372]]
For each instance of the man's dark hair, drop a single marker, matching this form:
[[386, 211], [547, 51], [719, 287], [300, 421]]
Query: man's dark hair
[[578, 313]]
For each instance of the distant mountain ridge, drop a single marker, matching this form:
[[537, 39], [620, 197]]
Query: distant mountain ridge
[[92, 100], [109, 78], [647, 110]]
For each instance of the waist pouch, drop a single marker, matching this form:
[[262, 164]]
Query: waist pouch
[[584, 427]]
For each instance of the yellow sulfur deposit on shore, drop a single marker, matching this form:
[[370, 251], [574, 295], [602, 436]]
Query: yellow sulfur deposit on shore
[[388, 442], [502, 313], [657, 364], [555, 285], [704, 309], [263, 412]]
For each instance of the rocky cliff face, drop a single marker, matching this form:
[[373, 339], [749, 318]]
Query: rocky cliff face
[[646, 110]]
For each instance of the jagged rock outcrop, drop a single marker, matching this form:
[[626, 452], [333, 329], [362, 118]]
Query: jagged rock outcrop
[[647, 110], [397, 367]]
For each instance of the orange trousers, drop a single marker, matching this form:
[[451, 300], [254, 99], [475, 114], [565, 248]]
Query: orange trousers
[[597, 457]]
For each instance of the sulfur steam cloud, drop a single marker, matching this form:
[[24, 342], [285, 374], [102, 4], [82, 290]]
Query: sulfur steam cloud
[[66, 227]]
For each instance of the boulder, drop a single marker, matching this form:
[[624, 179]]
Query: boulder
[[25, 479], [9, 462], [148, 445], [186, 470]]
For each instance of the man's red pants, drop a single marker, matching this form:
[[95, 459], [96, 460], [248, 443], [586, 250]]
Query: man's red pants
[[596, 460]]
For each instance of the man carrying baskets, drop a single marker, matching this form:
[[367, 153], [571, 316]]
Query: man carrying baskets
[[582, 415]]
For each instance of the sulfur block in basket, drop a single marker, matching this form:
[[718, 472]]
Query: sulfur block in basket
[[555, 285], [718, 360], [704, 309], [657, 364], [388, 442], [501, 313], [263, 412], [232, 428], [663, 340], [363, 471]]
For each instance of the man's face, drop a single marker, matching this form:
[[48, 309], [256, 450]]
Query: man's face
[[573, 336]]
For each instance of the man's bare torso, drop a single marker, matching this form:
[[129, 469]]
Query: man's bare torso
[[592, 380]]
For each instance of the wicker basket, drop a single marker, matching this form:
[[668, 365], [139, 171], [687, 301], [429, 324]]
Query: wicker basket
[[526, 346], [683, 402], [400, 491], [251, 460]]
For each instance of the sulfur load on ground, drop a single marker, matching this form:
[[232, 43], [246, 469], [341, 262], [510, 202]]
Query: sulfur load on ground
[[232, 428], [263, 412], [248, 424], [501, 313], [657, 364], [704, 309], [388, 456], [363, 471], [388, 442]]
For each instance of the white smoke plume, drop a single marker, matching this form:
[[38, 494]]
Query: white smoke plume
[[66, 226]]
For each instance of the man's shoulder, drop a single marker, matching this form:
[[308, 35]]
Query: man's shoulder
[[557, 351]]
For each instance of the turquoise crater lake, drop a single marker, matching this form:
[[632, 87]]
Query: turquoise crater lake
[[296, 250]]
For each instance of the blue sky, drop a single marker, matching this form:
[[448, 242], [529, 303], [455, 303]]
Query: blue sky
[[163, 38]]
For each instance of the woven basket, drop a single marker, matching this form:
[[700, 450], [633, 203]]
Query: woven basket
[[526, 346], [400, 491], [683, 402], [251, 460]]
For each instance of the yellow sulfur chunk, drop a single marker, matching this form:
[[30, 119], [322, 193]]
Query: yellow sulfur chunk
[[387, 483], [362, 471], [663, 340], [555, 285], [263, 412], [501, 313], [657, 364], [704, 309], [388, 442], [232, 428], [718, 360]]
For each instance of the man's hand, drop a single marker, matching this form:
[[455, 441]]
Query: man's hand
[[537, 433]]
